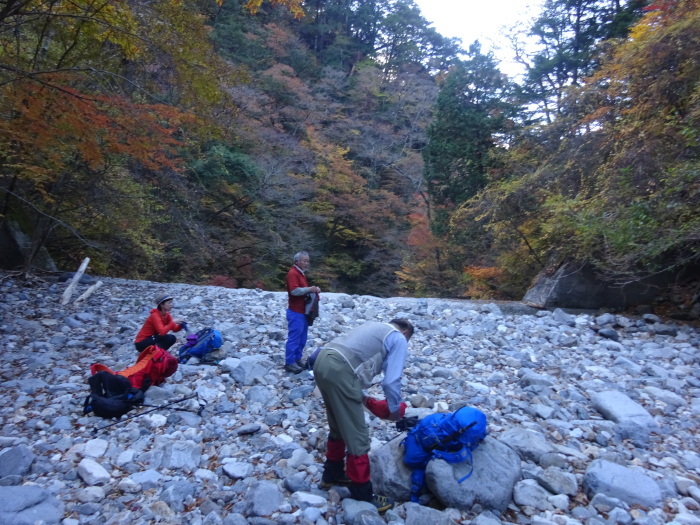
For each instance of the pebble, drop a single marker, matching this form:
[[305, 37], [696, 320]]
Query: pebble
[[597, 414]]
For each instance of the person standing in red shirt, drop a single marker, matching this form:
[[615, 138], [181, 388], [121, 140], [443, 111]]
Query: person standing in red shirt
[[298, 290]]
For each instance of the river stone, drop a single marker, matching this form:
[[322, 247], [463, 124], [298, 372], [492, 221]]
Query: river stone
[[629, 485], [16, 461], [496, 470]]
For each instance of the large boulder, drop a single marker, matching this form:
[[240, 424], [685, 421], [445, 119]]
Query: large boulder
[[390, 475], [496, 471], [577, 285]]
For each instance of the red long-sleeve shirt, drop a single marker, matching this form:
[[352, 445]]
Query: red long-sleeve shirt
[[157, 324], [296, 279]]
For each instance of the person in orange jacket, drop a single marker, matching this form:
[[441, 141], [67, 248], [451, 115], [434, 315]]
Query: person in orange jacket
[[155, 331]]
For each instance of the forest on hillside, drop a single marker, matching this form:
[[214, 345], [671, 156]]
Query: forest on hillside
[[207, 141]]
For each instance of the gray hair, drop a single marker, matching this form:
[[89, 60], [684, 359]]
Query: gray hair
[[299, 255]]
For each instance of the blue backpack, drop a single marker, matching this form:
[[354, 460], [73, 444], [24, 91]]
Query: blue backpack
[[450, 437], [200, 344]]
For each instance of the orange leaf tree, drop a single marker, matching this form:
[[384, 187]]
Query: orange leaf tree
[[89, 89]]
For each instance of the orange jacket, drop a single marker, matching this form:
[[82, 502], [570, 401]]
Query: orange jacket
[[157, 324]]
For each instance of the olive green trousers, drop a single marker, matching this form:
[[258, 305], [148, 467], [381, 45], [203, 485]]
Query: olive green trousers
[[342, 395]]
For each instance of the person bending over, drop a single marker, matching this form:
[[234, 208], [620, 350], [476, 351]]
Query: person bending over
[[342, 369]]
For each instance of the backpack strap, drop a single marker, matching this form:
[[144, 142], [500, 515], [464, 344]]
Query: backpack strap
[[459, 456], [87, 407], [452, 437]]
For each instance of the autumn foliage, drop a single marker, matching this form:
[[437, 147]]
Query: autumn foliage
[[210, 140]]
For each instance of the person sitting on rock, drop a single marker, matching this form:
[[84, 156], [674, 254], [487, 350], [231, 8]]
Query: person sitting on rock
[[342, 369], [155, 330]]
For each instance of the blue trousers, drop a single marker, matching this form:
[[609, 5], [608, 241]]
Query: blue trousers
[[298, 327]]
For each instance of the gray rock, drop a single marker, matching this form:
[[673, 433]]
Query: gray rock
[[634, 422], [184, 455], [628, 485], [249, 370], [148, 479], [297, 482], [92, 472], [358, 511], [16, 461], [62, 423], [609, 333], [250, 428], [300, 392], [420, 515], [662, 329], [174, 494], [557, 481], [28, 505], [560, 316], [390, 475], [496, 470], [605, 319], [259, 394], [528, 493], [530, 378], [263, 498], [237, 469], [529, 445]]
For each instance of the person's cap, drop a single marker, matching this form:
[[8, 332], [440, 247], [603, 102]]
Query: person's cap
[[162, 298]]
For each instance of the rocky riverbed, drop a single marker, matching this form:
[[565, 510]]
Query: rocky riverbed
[[593, 418]]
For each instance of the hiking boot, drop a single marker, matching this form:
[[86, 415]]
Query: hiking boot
[[342, 481], [383, 503], [301, 364], [293, 368], [364, 492], [334, 475]]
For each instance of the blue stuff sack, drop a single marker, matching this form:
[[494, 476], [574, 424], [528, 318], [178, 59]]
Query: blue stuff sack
[[200, 344]]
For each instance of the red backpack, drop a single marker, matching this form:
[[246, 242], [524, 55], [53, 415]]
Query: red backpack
[[152, 367]]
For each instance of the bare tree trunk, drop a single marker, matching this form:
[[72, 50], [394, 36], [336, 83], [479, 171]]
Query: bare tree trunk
[[44, 225], [41, 234], [6, 203]]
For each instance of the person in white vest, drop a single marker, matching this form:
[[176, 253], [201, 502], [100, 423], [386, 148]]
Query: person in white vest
[[342, 369]]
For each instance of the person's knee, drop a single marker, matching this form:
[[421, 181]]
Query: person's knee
[[358, 445], [167, 341]]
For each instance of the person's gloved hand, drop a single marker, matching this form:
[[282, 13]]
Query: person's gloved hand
[[396, 415], [406, 423], [381, 408]]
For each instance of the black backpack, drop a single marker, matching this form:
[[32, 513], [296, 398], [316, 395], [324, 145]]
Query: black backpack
[[111, 395]]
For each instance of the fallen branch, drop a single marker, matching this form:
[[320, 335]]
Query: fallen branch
[[74, 282], [88, 292]]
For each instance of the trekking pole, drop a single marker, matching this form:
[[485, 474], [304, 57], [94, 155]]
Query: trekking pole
[[164, 405], [173, 408]]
